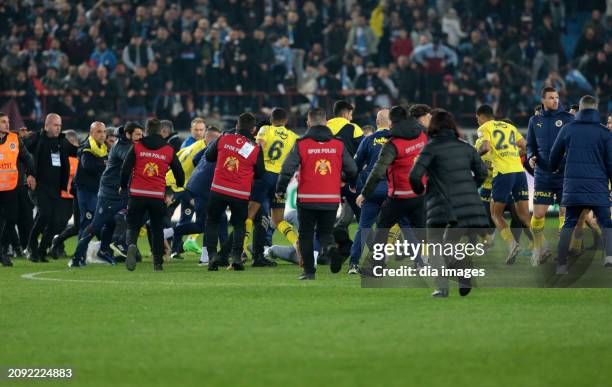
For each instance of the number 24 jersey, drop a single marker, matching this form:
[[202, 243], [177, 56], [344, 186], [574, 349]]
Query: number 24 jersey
[[504, 153]]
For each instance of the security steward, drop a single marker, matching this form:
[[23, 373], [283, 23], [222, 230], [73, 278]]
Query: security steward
[[239, 161], [12, 152], [395, 161], [145, 168], [321, 161]]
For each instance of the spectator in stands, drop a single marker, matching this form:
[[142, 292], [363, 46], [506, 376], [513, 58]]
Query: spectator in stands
[[103, 56], [136, 54]]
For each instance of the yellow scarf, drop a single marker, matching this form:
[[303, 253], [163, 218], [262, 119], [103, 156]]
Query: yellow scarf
[[95, 149]]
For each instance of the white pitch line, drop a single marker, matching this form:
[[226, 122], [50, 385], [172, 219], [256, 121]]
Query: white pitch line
[[35, 277]]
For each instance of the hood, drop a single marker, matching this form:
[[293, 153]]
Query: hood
[[319, 133], [549, 113], [408, 129], [153, 141], [335, 124], [588, 115]]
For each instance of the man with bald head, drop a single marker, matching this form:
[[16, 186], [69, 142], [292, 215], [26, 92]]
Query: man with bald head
[[365, 158], [50, 150], [93, 155]]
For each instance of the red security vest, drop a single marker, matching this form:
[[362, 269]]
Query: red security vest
[[149, 173], [74, 163], [9, 152], [399, 171], [320, 171], [235, 169]]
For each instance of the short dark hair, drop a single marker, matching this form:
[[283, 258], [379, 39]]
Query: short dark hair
[[397, 113], [485, 110], [212, 129], [419, 110], [2, 114], [342, 106], [167, 124], [547, 89], [246, 121], [441, 120], [130, 127], [507, 120], [278, 114], [575, 106], [317, 116], [589, 102], [153, 126]]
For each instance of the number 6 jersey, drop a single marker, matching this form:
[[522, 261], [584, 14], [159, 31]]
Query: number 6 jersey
[[278, 143]]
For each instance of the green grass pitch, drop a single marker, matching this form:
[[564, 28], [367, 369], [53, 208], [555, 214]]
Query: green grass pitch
[[262, 327]]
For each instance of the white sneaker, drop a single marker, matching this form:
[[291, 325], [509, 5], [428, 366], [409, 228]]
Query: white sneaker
[[203, 257], [608, 261], [536, 255]]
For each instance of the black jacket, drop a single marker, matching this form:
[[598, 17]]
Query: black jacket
[[90, 168], [50, 180], [408, 129], [454, 172], [175, 142], [319, 133], [111, 177], [154, 142]]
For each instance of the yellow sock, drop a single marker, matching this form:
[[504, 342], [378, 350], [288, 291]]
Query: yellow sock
[[193, 237], [247, 234], [288, 231], [394, 233], [537, 229], [561, 221], [507, 236]]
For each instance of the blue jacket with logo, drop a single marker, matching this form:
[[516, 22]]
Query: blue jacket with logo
[[365, 158], [587, 146], [202, 176], [541, 135]]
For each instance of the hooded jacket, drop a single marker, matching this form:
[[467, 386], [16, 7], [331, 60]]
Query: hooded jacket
[[454, 172], [111, 177], [154, 142], [587, 147], [292, 163], [541, 135], [408, 129]]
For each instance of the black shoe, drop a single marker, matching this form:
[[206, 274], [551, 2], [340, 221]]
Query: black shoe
[[465, 286], [130, 261], [263, 262], [6, 261], [106, 256], [236, 266], [32, 256], [119, 249], [19, 252], [55, 251], [336, 259], [74, 262], [306, 276], [213, 265], [158, 267]]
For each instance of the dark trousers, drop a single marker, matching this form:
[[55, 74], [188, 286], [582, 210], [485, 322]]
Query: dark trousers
[[8, 211], [405, 210], [47, 223], [138, 207], [197, 227], [70, 230], [24, 221], [102, 226], [88, 200], [572, 213], [310, 220], [217, 204]]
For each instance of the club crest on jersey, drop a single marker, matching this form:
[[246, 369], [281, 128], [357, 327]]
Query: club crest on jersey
[[231, 163], [323, 167], [558, 123], [151, 169]]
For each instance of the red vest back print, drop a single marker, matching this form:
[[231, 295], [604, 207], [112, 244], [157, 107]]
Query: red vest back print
[[149, 174], [399, 171], [235, 169], [320, 171]]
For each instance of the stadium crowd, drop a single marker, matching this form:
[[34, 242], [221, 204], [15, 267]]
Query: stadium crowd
[[112, 59]]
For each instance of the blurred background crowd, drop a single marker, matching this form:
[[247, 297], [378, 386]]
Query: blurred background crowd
[[113, 60]]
